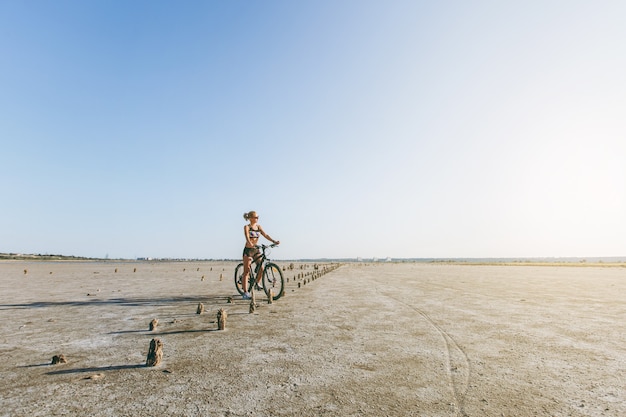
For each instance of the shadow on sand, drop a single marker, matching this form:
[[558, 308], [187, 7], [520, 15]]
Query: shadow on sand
[[185, 331], [133, 302], [95, 369]]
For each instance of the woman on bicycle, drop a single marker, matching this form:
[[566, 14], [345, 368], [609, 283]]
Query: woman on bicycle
[[252, 231]]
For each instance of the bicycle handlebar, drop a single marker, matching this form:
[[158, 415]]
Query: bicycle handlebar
[[262, 246]]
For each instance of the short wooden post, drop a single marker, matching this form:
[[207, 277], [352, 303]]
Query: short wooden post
[[221, 319], [153, 324], [200, 308], [252, 301], [155, 354], [270, 297], [57, 359]]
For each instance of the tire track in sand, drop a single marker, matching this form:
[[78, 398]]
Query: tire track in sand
[[458, 366]]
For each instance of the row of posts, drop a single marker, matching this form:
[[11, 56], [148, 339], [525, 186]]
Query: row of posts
[[155, 351]]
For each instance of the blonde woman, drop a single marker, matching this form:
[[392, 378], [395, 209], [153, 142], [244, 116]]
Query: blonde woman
[[252, 231]]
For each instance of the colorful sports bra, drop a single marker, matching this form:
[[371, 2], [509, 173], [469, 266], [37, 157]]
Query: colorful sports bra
[[254, 234]]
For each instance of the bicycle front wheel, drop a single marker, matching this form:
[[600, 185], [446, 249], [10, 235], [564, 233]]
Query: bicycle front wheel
[[273, 280], [239, 278]]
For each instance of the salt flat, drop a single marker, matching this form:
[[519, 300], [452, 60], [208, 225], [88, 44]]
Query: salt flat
[[362, 340]]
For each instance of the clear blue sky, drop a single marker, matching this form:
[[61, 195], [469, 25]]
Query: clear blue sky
[[354, 128]]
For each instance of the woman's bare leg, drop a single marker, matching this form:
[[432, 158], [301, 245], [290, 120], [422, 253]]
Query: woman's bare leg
[[259, 275], [246, 273]]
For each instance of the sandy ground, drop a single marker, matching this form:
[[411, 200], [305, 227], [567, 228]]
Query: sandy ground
[[363, 340]]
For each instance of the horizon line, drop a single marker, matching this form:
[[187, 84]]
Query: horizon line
[[24, 256]]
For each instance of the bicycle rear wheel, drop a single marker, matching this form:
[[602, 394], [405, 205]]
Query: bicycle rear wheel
[[239, 278], [273, 280]]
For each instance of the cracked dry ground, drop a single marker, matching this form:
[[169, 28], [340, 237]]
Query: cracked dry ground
[[362, 340]]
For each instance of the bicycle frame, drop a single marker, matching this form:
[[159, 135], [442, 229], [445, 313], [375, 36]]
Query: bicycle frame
[[260, 261]]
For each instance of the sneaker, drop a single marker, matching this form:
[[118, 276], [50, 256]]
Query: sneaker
[[246, 296]]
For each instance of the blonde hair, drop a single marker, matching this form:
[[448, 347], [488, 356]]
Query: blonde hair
[[249, 215]]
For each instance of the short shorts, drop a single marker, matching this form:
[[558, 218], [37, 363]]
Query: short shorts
[[251, 252]]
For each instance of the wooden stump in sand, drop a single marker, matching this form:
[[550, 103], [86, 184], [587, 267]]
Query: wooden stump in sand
[[252, 301], [155, 354], [221, 319], [200, 308], [270, 298], [153, 324], [57, 359]]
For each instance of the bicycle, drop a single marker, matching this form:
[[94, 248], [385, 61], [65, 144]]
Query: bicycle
[[272, 275]]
